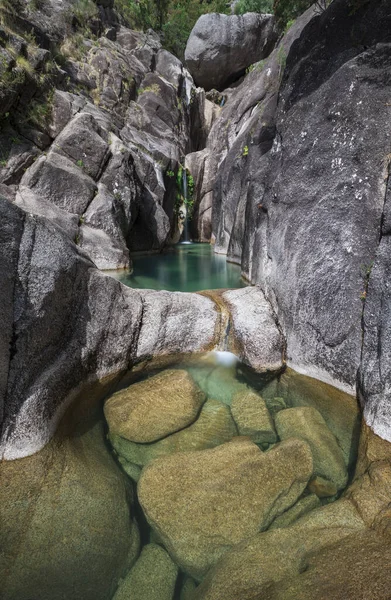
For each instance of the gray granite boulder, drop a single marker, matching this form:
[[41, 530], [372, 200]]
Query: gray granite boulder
[[253, 333], [65, 323], [297, 201], [220, 47]]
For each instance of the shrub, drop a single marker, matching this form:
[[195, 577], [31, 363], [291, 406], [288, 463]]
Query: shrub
[[258, 6], [288, 10]]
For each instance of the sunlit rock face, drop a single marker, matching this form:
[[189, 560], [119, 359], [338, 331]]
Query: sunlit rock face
[[100, 160], [221, 47], [297, 166]]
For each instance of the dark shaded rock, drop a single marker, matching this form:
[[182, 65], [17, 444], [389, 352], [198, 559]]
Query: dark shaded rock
[[374, 373], [69, 505], [220, 47]]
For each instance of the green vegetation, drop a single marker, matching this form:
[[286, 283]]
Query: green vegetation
[[259, 6], [38, 4], [154, 89], [180, 199], [287, 11], [9, 9], [245, 151], [173, 18], [84, 11]]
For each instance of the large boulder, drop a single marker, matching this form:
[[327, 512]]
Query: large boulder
[[301, 180], [202, 503], [359, 566], [154, 408], [153, 577], [253, 333], [249, 569], [308, 424], [213, 427], [252, 418], [68, 527], [65, 323], [220, 47]]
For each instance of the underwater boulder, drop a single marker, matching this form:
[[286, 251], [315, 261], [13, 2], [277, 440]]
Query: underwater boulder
[[154, 408], [203, 503], [308, 424]]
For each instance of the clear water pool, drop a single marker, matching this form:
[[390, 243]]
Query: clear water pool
[[185, 268]]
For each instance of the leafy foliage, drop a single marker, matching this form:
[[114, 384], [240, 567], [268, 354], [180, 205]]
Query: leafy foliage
[[259, 6], [173, 18]]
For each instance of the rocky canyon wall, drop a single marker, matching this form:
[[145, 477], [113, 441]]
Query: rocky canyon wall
[[298, 168]]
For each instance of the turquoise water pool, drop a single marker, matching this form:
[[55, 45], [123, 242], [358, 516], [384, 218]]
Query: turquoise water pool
[[185, 268]]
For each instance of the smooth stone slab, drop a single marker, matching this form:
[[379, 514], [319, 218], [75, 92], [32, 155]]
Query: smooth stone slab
[[308, 424], [252, 418], [203, 503], [152, 409]]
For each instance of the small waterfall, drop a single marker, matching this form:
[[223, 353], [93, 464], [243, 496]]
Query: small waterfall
[[186, 238]]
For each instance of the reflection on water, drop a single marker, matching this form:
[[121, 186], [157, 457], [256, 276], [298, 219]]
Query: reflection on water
[[188, 268]]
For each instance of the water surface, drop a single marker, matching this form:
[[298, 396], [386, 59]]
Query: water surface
[[185, 268]]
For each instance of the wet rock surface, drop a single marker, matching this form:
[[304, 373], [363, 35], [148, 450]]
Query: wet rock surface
[[308, 424], [155, 408], [153, 577], [213, 427], [70, 502], [202, 503], [252, 418]]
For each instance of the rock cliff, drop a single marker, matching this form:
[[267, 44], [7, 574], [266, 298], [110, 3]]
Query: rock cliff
[[295, 174]]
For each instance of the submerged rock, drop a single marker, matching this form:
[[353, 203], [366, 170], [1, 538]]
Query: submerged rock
[[308, 424], [358, 568], [219, 383], [252, 418], [203, 503], [153, 577], [152, 409], [68, 528], [213, 427], [301, 508], [220, 47], [249, 569]]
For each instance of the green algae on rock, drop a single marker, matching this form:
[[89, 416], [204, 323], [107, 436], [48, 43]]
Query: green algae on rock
[[154, 408], [203, 503], [153, 577], [252, 418], [213, 427], [308, 424], [68, 529], [247, 571]]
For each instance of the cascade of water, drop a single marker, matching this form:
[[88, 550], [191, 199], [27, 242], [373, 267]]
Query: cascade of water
[[186, 239]]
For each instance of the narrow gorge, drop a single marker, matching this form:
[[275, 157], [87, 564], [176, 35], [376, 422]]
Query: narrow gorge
[[195, 351]]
